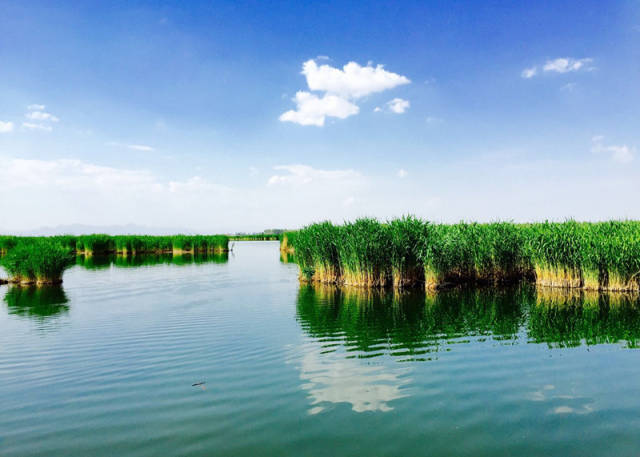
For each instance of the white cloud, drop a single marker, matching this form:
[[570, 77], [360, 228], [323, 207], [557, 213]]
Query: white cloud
[[559, 65], [34, 126], [41, 116], [402, 173], [377, 109], [353, 81], [567, 64], [431, 120], [6, 127], [312, 110], [619, 153], [304, 174], [340, 87], [42, 119], [333, 379], [398, 105], [133, 147], [140, 147], [568, 87]]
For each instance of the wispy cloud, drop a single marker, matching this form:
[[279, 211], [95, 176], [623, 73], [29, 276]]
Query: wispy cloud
[[39, 119], [341, 88], [618, 153], [133, 147], [41, 116], [34, 126], [567, 64], [559, 65], [402, 173], [304, 174], [528, 73], [6, 127]]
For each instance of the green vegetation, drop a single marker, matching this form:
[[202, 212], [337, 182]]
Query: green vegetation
[[37, 261], [39, 302], [407, 252], [418, 324], [42, 260], [287, 242], [256, 237]]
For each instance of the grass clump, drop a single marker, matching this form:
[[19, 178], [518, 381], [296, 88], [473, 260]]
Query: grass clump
[[37, 261], [317, 253]]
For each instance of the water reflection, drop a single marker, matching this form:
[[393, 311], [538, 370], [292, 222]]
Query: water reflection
[[572, 318], [118, 261], [36, 302], [357, 336]]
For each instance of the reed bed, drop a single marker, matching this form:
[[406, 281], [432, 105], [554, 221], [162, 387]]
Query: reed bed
[[409, 252], [37, 261], [42, 260]]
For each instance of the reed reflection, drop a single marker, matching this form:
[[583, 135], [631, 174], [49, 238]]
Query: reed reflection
[[39, 302], [98, 262]]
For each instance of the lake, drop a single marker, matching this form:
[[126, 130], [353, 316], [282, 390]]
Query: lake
[[224, 357]]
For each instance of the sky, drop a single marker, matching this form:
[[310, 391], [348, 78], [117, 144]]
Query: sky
[[241, 116]]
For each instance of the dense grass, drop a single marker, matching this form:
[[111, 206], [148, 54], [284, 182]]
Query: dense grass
[[37, 260], [407, 252], [42, 260], [256, 237]]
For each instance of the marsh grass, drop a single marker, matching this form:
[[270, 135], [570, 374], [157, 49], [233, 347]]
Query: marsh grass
[[37, 261], [407, 252], [288, 242]]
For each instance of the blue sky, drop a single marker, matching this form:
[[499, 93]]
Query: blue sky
[[171, 114]]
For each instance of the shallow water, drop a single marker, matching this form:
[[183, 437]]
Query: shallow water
[[106, 366]]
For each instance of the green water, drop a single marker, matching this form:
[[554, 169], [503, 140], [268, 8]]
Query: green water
[[106, 366]]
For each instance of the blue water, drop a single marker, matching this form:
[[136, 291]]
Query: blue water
[[106, 366]]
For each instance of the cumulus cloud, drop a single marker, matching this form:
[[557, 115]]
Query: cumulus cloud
[[618, 153], [312, 110], [6, 127], [341, 87], [560, 65], [398, 105], [353, 81]]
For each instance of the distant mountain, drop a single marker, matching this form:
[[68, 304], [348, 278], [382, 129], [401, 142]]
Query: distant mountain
[[80, 229]]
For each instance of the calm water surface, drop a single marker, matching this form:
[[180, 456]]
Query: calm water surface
[[106, 366]]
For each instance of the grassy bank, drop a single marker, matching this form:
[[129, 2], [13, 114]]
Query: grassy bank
[[410, 252]]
